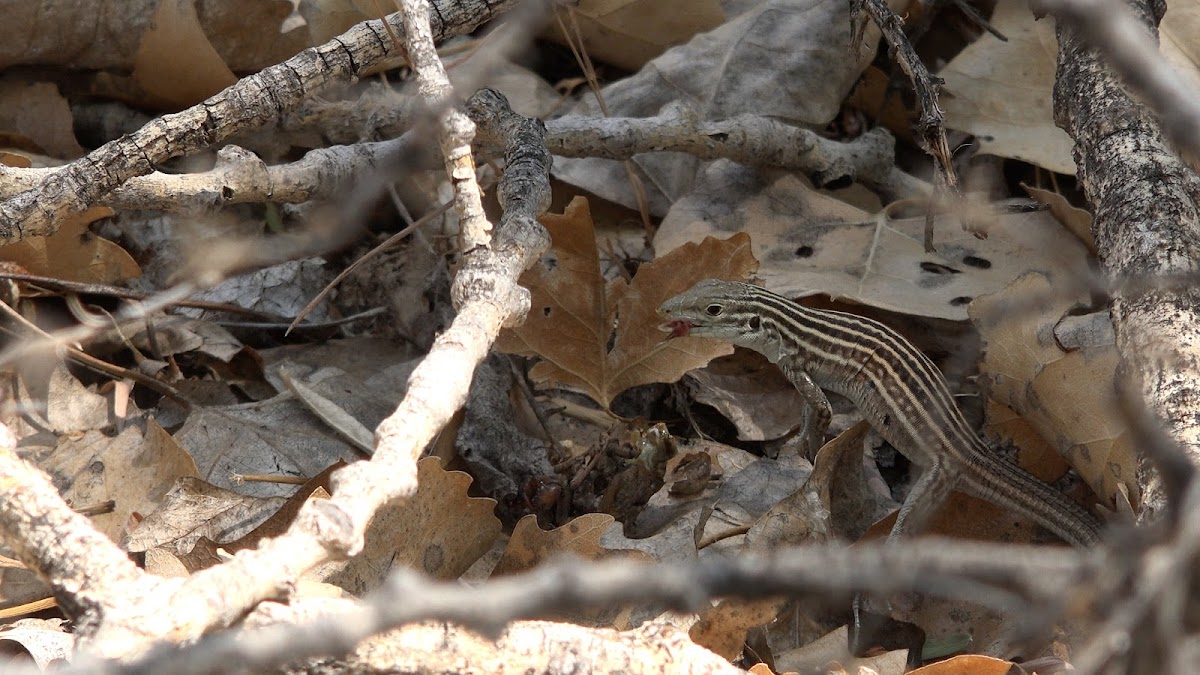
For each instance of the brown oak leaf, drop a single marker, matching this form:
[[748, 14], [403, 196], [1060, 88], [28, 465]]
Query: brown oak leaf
[[603, 338]]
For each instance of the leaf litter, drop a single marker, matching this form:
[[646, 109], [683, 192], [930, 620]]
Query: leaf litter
[[179, 498]]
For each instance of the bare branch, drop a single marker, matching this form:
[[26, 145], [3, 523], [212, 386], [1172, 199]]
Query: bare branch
[[456, 129], [1131, 47], [240, 177], [931, 129], [253, 101], [1002, 577], [746, 139]]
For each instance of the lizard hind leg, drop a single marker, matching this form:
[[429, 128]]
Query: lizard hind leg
[[926, 495]]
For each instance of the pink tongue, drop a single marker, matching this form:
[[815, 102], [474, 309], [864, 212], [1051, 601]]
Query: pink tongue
[[677, 328]]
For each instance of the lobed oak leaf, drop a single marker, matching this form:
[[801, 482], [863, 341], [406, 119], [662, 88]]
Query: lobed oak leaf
[[603, 338]]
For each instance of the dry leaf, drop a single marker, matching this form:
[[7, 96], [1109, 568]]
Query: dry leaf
[[835, 502], [810, 243], [674, 526], [73, 253], [967, 517], [326, 19], [1034, 453], [44, 642], [722, 628], [829, 651], [132, 470], [1078, 221], [1177, 41], [968, 664], [1002, 91], [364, 377], [574, 313], [627, 33], [751, 393], [875, 96], [1068, 396], [15, 160], [530, 545], [39, 113], [317, 487], [70, 405], [748, 65], [195, 511], [440, 531], [83, 37], [176, 65], [281, 290], [278, 436]]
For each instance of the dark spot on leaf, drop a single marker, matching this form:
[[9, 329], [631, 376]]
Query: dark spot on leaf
[[804, 252], [961, 300], [433, 560], [550, 261], [974, 261], [937, 268], [546, 311]]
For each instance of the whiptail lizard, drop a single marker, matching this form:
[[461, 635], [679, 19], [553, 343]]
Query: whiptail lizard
[[896, 387]]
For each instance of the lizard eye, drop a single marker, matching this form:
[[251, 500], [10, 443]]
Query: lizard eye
[[713, 310]]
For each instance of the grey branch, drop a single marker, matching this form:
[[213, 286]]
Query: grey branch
[[746, 139], [252, 102], [1002, 577], [1131, 49]]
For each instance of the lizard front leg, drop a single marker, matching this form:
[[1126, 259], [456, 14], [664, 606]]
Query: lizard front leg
[[819, 413]]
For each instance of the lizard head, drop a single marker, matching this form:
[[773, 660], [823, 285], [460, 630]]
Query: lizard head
[[713, 309]]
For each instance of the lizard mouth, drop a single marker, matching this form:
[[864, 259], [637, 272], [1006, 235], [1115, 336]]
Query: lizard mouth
[[677, 328]]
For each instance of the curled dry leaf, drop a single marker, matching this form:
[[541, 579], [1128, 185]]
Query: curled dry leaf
[[195, 511], [1068, 396], [722, 628], [975, 664], [575, 316], [836, 502], [751, 393]]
